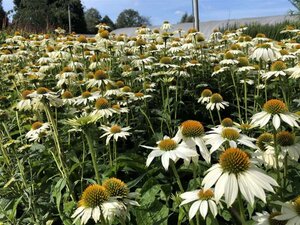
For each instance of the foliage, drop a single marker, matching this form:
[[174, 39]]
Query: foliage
[[92, 18], [30, 15], [131, 18], [187, 18], [108, 22]]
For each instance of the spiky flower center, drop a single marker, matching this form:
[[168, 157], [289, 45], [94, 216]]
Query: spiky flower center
[[229, 55], [273, 221], [297, 205], [86, 94], [100, 75], [263, 139], [206, 93], [234, 160], [216, 98], [139, 94], [167, 144], [67, 69], [285, 138], [101, 103], [42, 90], [227, 122], [243, 61], [36, 125], [266, 46], [116, 187], [82, 39], [25, 94], [230, 134], [116, 107], [278, 66], [192, 128], [165, 60], [120, 84], [104, 34], [93, 196], [67, 95], [275, 106], [115, 129], [126, 89], [205, 195]]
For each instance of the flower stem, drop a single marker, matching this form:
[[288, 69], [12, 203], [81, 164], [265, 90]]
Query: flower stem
[[241, 208], [236, 95], [93, 155], [276, 155], [176, 176]]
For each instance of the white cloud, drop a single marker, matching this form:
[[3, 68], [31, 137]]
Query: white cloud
[[179, 12]]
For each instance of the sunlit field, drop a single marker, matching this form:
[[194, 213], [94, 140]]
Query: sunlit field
[[160, 128]]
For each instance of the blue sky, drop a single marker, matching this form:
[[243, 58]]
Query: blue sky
[[172, 10]]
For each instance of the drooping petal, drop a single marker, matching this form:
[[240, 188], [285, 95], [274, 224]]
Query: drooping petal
[[203, 209], [231, 189], [194, 208], [220, 186], [276, 121], [213, 207]]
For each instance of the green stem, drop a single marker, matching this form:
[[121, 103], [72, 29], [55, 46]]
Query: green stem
[[285, 172], [211, 117], [176, 176], [241, 208], [245, 99], [219, 116], [148, 120], [276, 156], [93, 155], [236, 96]]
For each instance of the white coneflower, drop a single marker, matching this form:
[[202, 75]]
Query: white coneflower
[[115, 132], [265, 218], [26, 102], [94, 202], [103, 108], [290, 212], [43, 94], [216, 101], [265, 53], [192, 132], [37, 131], [289, 144], [276, 110], [86, 97], [100, 77], [205, 96], [166, 26], [203, 200], [169, 149], [277, 69], [235, 173], [294, 71], [230, 135]]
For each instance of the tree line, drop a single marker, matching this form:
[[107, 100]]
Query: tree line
[[46, 15]]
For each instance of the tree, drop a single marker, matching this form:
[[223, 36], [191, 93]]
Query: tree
[[131, 18], [92, 18], [39, 15], [108, 22], [3, 16], [296, 4], [187, 18]]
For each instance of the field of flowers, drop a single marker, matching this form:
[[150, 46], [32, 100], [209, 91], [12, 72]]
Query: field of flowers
[[161, 128]]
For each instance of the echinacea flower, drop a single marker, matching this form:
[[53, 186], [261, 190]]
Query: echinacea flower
[[94, 202], [192, 132], [100, 77], [43, 95], [265, 218], [37, 131], [169, 149], [289, 144], [203, 200], [205, 96], [290, 212], [236, 173], [232, 135], [114, 132], [277, 69], [103, 108], [216, 101], [276, 110], [266, 53]]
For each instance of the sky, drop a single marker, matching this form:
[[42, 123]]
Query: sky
[[172, 10]]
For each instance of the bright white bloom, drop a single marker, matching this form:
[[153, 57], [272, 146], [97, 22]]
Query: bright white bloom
[[169, 149], [265, 53], [44, 95], [235, 173], [94, 202], [291, 212], [114, 132], [216, 102], [265, 218], [294, 71], [203, 200], [289, 144], [276, 110], [232, 135], [37, 131], [192, 132]]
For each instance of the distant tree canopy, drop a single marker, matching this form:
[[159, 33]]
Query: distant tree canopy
[[3, 17], [131, 18], [296, 4], [187, 18], [40, 15], [92, 18], [108, 22]]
